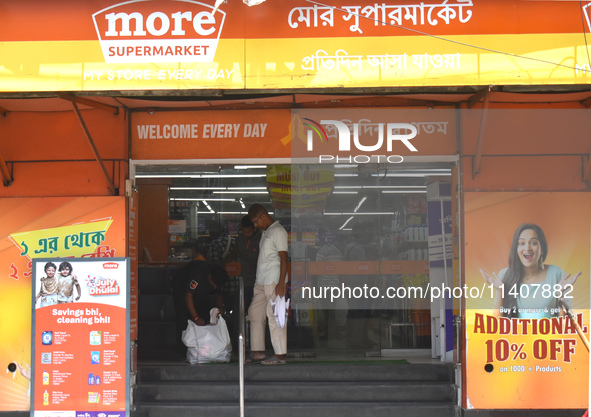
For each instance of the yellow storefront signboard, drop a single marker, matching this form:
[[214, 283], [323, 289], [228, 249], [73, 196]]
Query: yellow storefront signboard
[[184, 44]]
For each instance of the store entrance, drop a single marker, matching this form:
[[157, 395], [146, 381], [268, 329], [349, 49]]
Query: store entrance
[[356, 228]]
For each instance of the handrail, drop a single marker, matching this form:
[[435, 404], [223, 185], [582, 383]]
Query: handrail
[[241, 344]]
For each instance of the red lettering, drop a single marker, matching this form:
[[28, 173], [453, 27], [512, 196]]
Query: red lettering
[[479, 323], [540, 349]]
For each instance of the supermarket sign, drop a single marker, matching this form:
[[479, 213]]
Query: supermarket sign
[[147, 31], [114, 45]]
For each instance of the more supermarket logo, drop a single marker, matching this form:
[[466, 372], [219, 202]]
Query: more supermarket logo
[[379, 141], [159, 31], [110, 265], [585, 10]]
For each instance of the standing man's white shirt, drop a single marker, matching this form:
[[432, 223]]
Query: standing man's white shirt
[[273, 241]]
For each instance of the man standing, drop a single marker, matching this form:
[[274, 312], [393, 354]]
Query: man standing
[[270, 282], [246, 250]]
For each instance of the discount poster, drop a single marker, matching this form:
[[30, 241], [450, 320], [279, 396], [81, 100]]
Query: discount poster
[[80, 337], [528, 356], [64, 227]]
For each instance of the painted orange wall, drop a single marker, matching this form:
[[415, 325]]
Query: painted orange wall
[[526, 149], [39, 143], [153, 221]]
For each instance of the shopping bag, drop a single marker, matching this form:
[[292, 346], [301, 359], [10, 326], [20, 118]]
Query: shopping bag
[[207, 344]]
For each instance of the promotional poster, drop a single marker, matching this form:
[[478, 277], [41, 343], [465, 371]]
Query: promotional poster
[[523, 351], [80, 339], [64, 227]]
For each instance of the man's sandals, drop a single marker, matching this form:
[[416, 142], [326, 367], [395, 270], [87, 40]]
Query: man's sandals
[[255, 357], [274, 361]]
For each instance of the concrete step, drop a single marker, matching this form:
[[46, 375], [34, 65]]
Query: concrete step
[[301, 392], [310, 389], [298, 371], [298, 409]]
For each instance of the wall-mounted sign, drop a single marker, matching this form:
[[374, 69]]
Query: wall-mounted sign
[[71, 228], [520, 345], [183, 44], [211, 135]]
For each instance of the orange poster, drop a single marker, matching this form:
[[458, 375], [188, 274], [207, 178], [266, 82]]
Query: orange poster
[[523, 252], [80, 337], [64, 227]]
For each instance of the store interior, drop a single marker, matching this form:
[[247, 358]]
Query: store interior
[[383, 207]]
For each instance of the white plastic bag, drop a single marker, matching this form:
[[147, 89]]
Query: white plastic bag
[[207, 344]]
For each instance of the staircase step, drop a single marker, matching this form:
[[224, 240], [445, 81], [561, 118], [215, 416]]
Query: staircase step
[[311, 389], [297, 409], [294, 372], [308, 392]]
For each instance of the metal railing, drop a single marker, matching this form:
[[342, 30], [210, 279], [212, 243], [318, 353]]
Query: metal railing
[[241, 344]]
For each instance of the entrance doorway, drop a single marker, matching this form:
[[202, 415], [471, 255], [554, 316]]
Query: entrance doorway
[[350, 226]]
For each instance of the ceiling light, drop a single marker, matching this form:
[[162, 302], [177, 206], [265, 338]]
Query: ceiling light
[[200, 199], [163, 176], [404, 192], [249, 166], [398, 174], [377, 213], [197, 188], [208, 206], [344, 224], [200, 175], [357, 187], [230, 176], [240, 192], [359, 204]]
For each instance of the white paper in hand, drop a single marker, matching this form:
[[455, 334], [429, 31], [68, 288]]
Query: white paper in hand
[[280, 309]]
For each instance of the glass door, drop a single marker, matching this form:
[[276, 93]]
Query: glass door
[[358, 243]]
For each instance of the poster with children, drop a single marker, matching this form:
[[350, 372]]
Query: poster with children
[[80, 337]]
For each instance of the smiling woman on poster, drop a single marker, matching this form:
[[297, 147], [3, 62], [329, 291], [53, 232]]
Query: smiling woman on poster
[[529, 288]]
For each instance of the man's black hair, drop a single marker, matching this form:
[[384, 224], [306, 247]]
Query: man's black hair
[[218, 275], [246, 222]]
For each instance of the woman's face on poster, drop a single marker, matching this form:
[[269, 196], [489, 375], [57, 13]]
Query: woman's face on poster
[[529, 249]]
